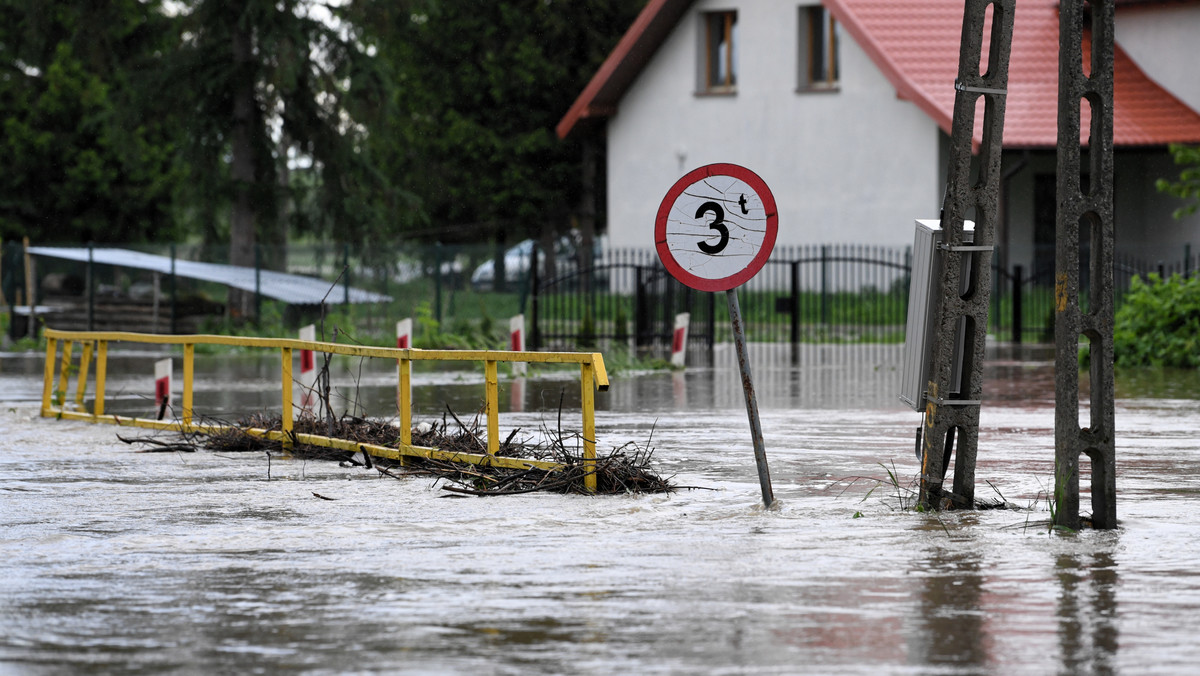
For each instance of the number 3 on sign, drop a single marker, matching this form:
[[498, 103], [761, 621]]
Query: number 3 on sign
[[716, 227], [718, 224]]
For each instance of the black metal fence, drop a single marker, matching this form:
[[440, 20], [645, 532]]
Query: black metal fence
[[832, 293], [815, 294], [804, 294], [1023, 300]]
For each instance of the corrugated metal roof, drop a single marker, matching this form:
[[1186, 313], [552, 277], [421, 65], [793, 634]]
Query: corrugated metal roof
[[292, 289]]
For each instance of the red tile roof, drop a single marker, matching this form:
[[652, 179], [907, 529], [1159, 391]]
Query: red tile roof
[[915, 43], [1131, 3]]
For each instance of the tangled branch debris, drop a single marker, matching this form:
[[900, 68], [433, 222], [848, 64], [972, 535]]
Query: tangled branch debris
[[626, 469]]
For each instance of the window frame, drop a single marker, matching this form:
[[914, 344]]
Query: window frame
[[817, 23], [713, 52]]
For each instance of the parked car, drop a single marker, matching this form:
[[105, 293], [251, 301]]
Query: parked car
[[450, 271], [516, 263]]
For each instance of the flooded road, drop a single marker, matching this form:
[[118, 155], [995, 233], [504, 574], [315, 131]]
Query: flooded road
[[112, 561]]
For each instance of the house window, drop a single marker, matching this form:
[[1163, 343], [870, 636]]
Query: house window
[[720, 52], [818, 54]]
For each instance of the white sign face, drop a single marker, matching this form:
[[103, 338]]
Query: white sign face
[[716, 227]]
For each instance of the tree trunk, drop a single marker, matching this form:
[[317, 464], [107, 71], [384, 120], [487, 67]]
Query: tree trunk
[[242, 169], [587, 213], [276, 235]]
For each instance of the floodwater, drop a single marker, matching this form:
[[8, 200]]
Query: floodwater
[[113, 561]]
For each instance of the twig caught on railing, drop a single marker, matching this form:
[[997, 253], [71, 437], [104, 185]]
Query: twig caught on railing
[[626, 469]]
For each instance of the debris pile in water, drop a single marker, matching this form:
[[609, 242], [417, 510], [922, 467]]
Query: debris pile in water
[[625, 469]]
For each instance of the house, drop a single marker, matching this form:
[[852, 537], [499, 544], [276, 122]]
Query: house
[[844, 108]]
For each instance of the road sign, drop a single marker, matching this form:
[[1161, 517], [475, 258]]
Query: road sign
[[716, 227], [715, 230]]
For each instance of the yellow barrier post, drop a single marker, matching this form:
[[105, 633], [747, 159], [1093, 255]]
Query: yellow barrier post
[[492, 386], [287, 413], [586, 375], [405, 400], [101, 376], [592, 374], [189, 373], [48, 373], [85, 365], [60, 395]]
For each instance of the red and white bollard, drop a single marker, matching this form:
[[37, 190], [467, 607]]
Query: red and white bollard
[[404, 329], [516, 342], [162, 387], [307, 366], [679, 339]]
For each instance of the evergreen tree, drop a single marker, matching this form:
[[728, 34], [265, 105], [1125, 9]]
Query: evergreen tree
[[265, 84], [88, 156], [481, 87], [242, 120]]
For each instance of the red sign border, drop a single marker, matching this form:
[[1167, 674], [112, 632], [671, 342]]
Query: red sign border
[[664, 211]]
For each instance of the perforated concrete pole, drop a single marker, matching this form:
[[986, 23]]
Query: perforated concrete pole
[[1089, 208], [961, 313]]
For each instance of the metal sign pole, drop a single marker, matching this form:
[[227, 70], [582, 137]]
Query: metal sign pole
[[714, 231], [756, 433]]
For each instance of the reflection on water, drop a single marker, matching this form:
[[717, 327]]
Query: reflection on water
[[826, 377], [1158, 383], [1087, 613], [823, 377], [813, 377], [117, 562], [949, 622]]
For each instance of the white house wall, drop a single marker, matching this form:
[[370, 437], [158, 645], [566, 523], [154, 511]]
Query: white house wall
[[856, 165], [1155, 37]]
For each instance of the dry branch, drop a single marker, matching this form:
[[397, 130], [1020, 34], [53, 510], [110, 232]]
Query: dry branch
[[625, 469]]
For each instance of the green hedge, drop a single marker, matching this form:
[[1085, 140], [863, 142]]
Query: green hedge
[[1159, 323]]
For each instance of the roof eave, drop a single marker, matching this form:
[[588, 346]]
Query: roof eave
[[905, 88], [600, 97]]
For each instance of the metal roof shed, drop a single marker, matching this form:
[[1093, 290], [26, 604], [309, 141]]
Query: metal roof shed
[[289, 288]]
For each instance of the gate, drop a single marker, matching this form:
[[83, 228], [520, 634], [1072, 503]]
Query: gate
[[626, 298]]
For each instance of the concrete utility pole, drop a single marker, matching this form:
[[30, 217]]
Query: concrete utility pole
[[961, 303], [1085, 202]]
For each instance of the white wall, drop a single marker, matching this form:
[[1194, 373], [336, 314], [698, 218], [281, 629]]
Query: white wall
[[1163, 41], [857, 165]]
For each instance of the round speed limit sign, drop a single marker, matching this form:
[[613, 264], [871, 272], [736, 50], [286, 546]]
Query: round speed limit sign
[[716, 227]]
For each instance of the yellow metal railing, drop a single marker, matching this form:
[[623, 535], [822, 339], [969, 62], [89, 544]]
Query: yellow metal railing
[[592, 376]]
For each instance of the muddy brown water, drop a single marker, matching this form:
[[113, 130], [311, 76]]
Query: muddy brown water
[[112, 561]]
